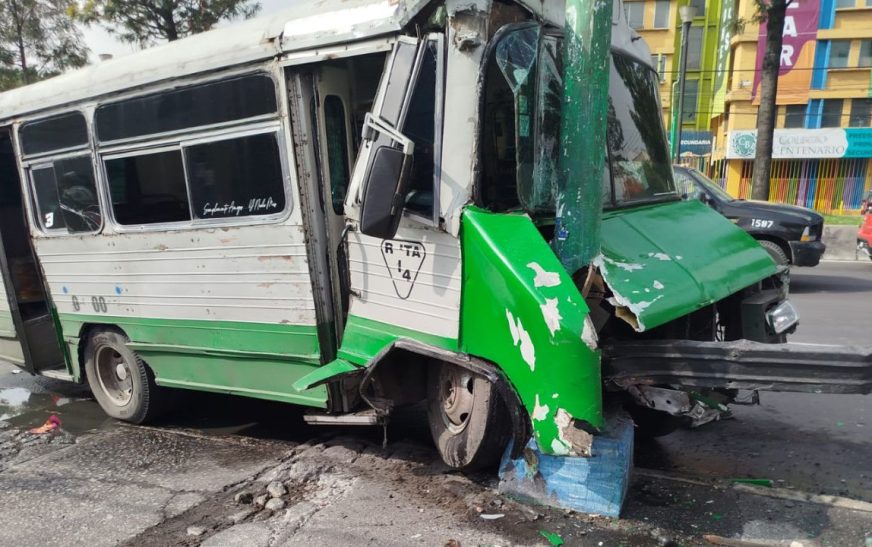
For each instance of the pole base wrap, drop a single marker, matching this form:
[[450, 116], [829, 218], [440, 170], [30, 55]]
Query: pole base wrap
[[596, 485]]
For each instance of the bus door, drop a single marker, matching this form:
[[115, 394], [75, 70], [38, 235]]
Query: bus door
[[336, 152], [328, 102], [28, 335], [404, 277]]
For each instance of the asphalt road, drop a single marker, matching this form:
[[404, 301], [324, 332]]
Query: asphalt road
[[98, 482], [819, 443]]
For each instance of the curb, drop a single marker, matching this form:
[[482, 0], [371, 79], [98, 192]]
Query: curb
[[841, 242]]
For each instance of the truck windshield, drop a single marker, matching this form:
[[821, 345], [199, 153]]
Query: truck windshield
[[521, 132]]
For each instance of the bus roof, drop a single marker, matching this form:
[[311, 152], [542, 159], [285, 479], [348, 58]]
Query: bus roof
[[306, 24]]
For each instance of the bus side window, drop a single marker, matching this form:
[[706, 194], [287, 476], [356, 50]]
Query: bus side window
[[64, 189], [337, 150], [236, 177], [66, 196], [148, 188], [421, 126], [45, 192]]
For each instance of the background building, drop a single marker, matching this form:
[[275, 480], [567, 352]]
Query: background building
[[823, 144]]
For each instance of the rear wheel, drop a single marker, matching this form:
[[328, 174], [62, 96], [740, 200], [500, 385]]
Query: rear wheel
[[775, 251], [120, 381], [468, 420]]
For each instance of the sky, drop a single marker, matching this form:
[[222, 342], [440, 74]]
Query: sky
[[100, 41]]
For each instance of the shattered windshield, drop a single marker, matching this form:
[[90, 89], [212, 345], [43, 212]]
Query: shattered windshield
[[521, 150]]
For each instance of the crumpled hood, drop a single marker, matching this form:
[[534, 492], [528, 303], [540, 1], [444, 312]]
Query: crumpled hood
[[667, 260]]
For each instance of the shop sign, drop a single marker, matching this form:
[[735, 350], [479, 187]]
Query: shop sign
[[805, 143]]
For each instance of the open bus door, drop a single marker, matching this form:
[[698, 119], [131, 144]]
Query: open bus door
[[28, 334]]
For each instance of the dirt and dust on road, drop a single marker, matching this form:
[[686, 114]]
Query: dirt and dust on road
[[228, 471]]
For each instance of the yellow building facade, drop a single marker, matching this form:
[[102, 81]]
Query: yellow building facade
[[823, 138]]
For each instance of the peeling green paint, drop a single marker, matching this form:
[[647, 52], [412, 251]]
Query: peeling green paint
[[511, 277], [667, 260]]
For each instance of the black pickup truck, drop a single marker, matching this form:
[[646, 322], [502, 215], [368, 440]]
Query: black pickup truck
[[792, 235]]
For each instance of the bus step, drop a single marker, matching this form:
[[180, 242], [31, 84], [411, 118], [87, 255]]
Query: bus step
[[363, 417], [56, 374], [807, 368]]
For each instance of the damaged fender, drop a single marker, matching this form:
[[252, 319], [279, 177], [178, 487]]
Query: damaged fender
[[521, 310]]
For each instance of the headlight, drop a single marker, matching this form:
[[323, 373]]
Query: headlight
[[782, 317], [806, 234]]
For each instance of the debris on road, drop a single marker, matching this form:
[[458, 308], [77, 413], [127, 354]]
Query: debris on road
[[244, 498], [553, 539], [51, 424], [275, 504], [492, 516], [276, 489], [196, 531]]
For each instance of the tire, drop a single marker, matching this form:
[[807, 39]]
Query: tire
[[120, 381], [775, 251], [468, 420]]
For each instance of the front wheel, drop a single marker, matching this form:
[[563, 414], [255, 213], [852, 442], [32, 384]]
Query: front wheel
[[775, 251], [468, 420], [120, 381]]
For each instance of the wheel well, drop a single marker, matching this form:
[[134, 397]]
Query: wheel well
[[398, 377], [84, 334], [778, 241]]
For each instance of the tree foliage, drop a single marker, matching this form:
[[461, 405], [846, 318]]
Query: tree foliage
[[144, 22], [772, 14], [38, 39]]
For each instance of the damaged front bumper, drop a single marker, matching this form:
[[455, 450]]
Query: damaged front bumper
[[807, 368]]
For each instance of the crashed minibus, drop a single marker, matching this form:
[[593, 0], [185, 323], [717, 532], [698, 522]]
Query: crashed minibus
[[353, 206]]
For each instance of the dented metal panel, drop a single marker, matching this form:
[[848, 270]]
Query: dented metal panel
[[467, 36], [245, 273], [667, 260], [522, 311], [807, 368]]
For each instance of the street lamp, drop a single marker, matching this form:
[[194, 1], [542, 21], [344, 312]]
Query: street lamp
[[686, 13]]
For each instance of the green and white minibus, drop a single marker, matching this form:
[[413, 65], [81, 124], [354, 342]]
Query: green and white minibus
[[350, 205]]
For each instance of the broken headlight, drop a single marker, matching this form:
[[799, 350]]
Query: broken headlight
[[782, 317]]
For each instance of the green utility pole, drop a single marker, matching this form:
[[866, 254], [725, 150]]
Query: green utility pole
[[583, 114]]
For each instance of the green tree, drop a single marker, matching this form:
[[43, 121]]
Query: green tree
[[38, 39], [772, 13], [144, 22]]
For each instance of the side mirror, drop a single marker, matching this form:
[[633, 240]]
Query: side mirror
[[386, 181]]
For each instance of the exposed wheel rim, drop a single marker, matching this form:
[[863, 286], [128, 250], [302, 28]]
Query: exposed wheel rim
[[456, 397], [114, 375]]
